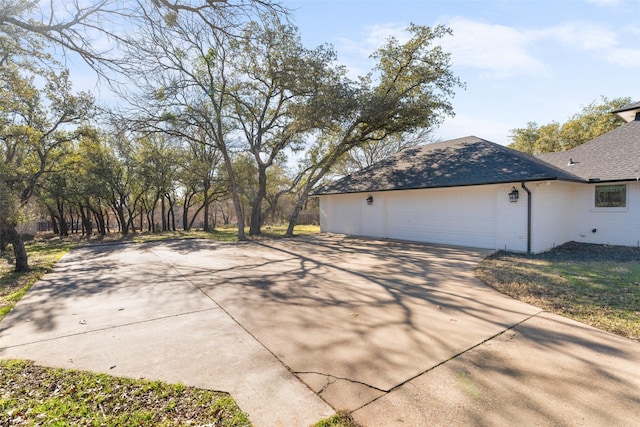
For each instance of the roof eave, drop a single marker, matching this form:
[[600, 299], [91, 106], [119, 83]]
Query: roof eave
[[510, 181]]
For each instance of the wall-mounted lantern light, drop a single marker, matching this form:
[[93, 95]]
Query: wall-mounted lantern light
[[513, 195], [370, 200]]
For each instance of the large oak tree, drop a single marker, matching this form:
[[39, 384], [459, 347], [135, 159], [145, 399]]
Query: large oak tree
[[408, 91]]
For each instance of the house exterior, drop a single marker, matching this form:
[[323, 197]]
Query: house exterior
[[472, 192]]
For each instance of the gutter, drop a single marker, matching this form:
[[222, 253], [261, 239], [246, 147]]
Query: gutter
[[524, 187]]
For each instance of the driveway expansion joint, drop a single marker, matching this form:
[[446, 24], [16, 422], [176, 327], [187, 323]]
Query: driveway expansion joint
[[408, 380], [109, 328]]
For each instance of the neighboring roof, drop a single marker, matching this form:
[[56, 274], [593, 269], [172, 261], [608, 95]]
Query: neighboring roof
[[614, 156], [459, 162], [628, 113]]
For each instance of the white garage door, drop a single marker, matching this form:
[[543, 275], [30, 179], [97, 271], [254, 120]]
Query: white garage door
[[457, 216]]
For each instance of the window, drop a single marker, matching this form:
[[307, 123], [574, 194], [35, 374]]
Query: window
[[611, 196]]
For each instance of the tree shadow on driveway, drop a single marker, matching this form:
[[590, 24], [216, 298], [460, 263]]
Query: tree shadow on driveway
[[355, 318], [383, 328]]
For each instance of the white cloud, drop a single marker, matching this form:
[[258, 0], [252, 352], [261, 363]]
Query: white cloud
[[583, 36], [598, 41], [503, 51], [500, 50], [625, 57], [372, 37]]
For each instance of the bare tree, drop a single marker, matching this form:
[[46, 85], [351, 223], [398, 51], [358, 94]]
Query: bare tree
[[84, 27]]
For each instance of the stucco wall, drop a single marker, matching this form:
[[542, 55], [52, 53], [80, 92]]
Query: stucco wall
[[511, 224], [483, 217], [615, 226], [552, 212], [341, 213]]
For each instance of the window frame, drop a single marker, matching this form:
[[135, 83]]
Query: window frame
[[607, 204]]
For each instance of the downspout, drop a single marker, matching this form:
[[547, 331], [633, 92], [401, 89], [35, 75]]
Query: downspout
[[524, 187]]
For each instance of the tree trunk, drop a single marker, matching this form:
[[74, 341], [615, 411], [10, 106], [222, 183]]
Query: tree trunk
[[186, 226], [293, 218], [19, 251], [171, 215], [3, 239], [205, 225], [225, 216], [99, 217], [122, 221], [235, 195], [163, 211], [87, 224], [131, 221], [63, 226], [255, 222], [54, 222]]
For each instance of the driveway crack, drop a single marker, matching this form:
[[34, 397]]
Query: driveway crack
[[332, 379]]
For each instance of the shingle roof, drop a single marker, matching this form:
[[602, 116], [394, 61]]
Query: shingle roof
[[614, 156], [459, 162], [628, 112], [628, 107]]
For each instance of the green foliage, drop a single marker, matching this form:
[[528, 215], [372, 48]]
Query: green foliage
[[409, 91], [341, 419], [594, 120], [415, 83], [38, 116], [273, 100], [31, 394], [214, 116]]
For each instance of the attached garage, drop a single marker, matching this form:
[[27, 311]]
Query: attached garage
[[472, 192], [455, 192], [465, 216]]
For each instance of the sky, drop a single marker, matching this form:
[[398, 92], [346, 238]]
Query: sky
[[521, 60]]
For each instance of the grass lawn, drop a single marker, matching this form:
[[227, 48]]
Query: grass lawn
[[594, 284], [13, 286], [33, 395]]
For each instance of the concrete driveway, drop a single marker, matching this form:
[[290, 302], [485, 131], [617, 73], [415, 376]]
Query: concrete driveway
[[399, 333]]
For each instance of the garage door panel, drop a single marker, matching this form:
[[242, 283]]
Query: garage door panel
[[456, 216]]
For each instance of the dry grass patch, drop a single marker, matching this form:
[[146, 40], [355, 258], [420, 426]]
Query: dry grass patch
[[595, 284]]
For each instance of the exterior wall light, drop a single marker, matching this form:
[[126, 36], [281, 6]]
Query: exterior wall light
[[514, 195], [370, 200]]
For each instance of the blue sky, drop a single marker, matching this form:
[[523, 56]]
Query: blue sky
[[522, 61]]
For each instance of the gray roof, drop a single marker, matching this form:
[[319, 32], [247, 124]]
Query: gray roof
[[459, 162], [628, 107], [614, 156], [628, 112]]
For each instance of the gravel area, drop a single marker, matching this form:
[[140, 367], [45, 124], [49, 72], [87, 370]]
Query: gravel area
[[574, 251]]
